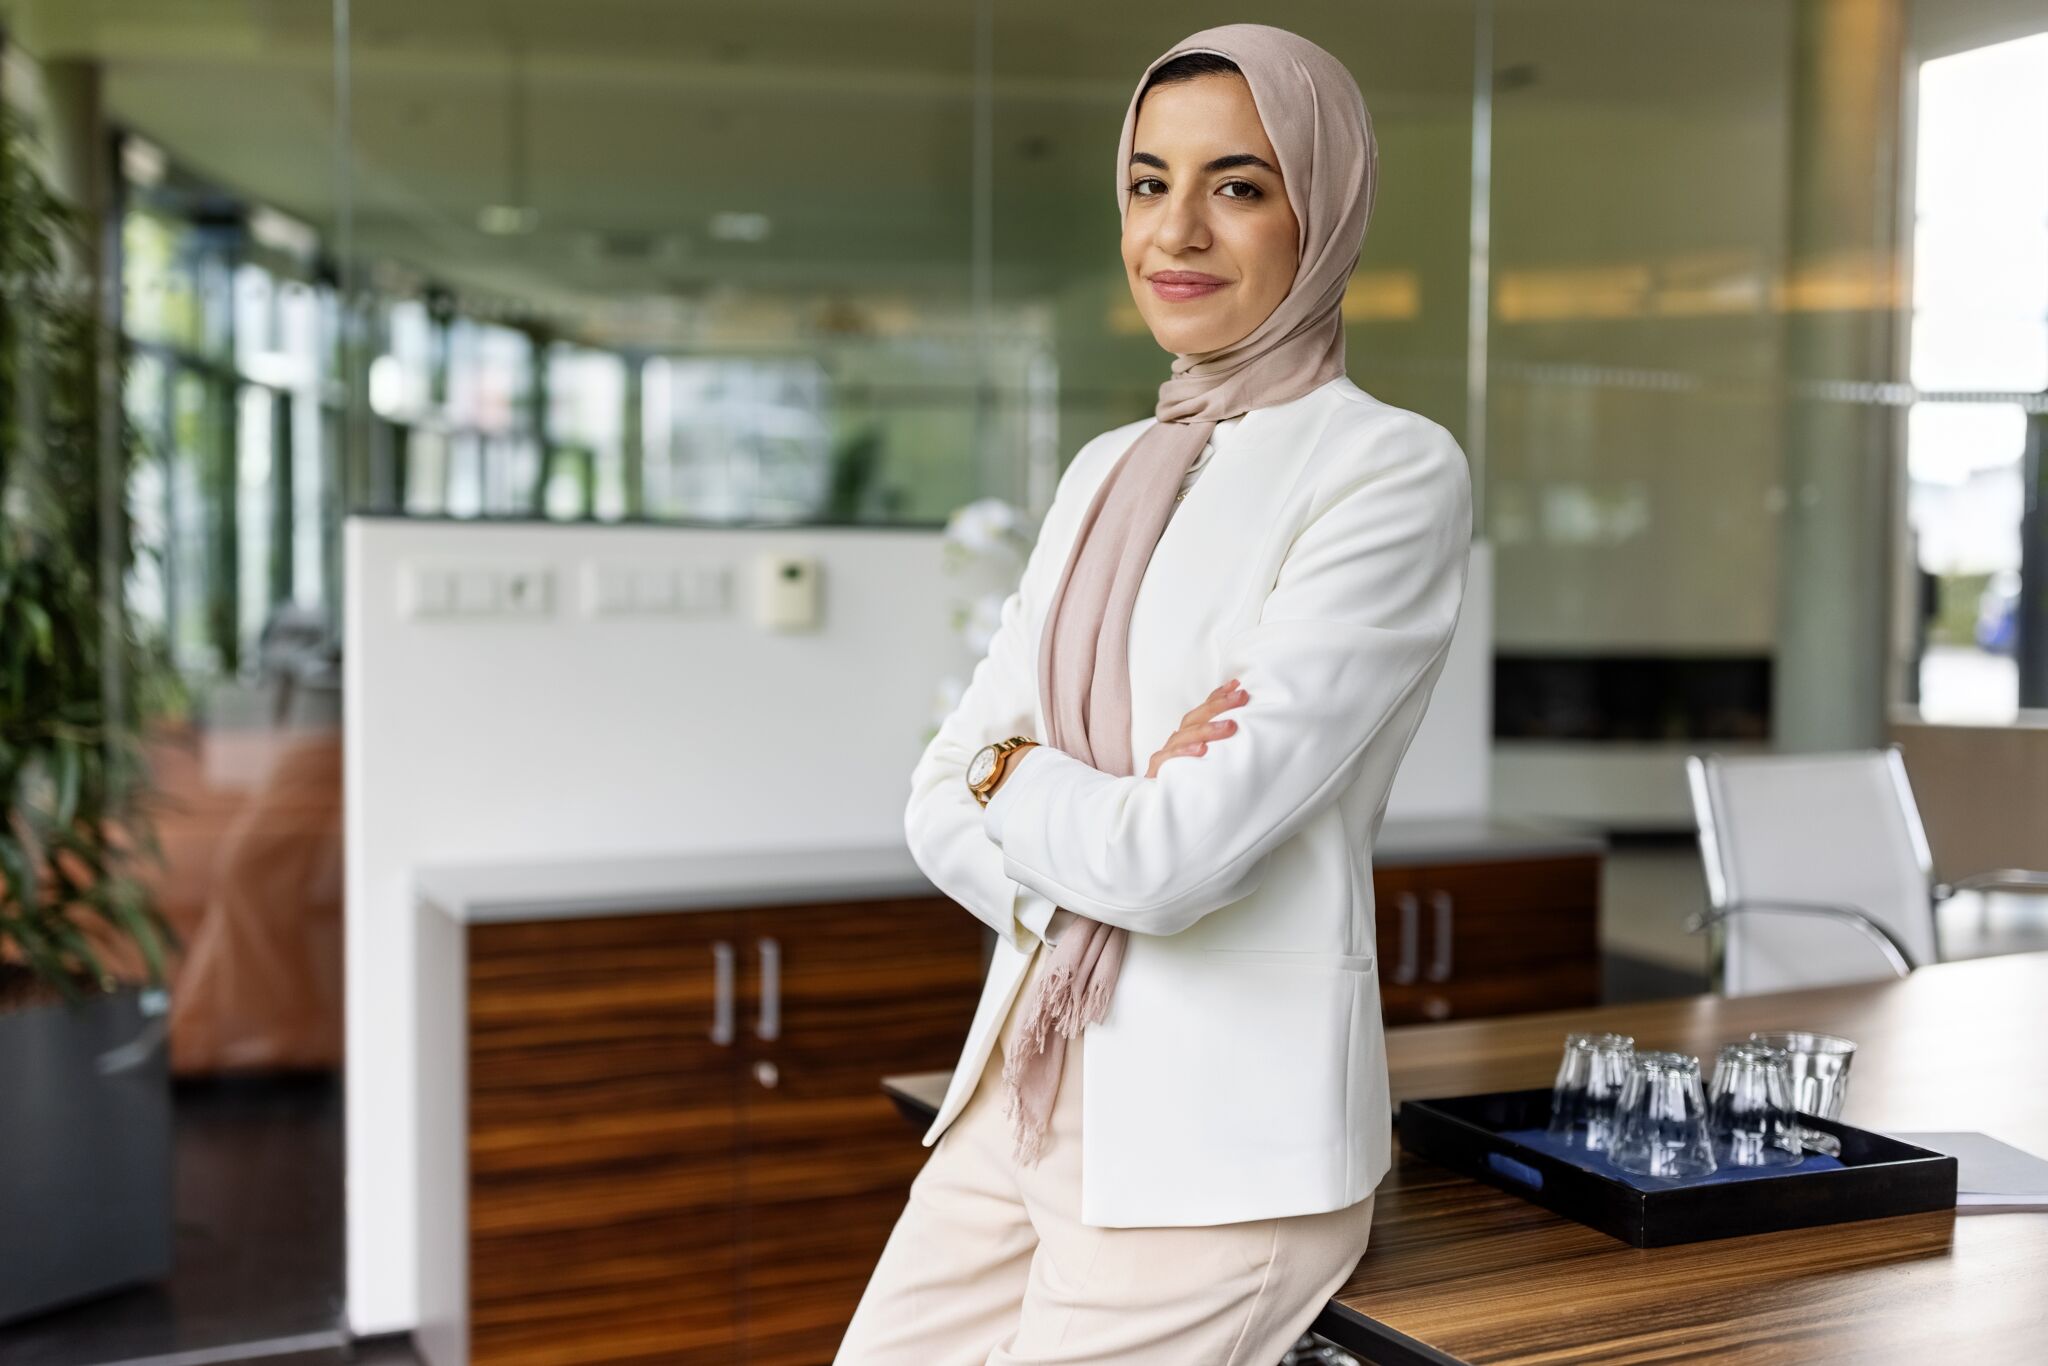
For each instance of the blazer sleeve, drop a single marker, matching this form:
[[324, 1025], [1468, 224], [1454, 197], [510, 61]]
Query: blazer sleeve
[[1338, 668], [942, 821]]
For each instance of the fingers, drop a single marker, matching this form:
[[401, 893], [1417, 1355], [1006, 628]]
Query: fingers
[[1223, 698], [1199, 731], [1174, 751], [1197, 728]]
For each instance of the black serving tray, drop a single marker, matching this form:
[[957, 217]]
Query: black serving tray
[[1877, 1176]]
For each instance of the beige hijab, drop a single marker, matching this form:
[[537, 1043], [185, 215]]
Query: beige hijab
[[1317, 121]]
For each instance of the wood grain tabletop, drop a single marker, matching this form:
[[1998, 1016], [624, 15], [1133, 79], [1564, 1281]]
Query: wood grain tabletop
[[1459, 1271]]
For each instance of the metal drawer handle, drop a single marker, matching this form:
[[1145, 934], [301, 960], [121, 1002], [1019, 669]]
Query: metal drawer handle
[[1440, 962], [721, 1013], [770, 1023], [1411, 934]]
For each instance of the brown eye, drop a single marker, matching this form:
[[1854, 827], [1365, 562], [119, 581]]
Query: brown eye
[[1256, 192], [1143, 180]]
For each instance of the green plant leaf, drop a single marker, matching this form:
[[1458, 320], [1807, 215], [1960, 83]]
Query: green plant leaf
[[19, 870], [74, 813], [70, 767], [43, 956], [80, 948], [41, 631]]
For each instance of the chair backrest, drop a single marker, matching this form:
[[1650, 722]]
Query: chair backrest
[[1836, 829]]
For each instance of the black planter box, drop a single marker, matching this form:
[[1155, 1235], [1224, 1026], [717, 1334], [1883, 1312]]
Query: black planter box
[[1878, 1176], [85, 1149]]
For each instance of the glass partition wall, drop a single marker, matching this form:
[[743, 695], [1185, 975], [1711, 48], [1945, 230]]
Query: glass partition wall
[[804, 263], [732, 268], [692, 264], [1639, 192]]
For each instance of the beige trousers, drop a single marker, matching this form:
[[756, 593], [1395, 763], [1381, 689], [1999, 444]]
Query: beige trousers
[[990, 1265]]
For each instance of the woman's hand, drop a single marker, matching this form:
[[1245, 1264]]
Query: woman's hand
[[1197, 730]]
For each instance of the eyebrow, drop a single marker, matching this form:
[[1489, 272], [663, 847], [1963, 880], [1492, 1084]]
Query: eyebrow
[[1219, 164]]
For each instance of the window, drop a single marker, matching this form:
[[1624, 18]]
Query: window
[[1978, 366]]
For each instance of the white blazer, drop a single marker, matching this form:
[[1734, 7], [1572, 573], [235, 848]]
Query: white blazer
[[1240, 1072]]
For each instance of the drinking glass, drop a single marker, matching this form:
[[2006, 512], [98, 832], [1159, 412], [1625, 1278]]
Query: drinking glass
[[1661, 1124], [1749, 1107], [1588, 1085], [1819, 1068]]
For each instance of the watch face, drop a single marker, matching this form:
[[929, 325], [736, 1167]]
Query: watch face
[[981, 765]]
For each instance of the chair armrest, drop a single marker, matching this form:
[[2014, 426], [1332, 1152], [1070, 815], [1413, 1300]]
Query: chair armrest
[[1895, 952], [1998, 879]]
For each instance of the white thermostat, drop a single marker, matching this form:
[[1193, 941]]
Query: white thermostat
[[786, 592]]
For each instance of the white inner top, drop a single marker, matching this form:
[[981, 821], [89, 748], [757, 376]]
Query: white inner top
[[1223, 429]]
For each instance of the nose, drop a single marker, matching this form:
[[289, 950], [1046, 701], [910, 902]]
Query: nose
[[1183, 223]]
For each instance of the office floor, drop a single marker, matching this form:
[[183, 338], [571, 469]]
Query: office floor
[[258, 1208], [259, 1173]]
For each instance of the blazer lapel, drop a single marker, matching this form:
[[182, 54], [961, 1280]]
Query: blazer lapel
[[1207, 563]]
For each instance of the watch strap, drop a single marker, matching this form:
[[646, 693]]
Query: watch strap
[[1007, 753]]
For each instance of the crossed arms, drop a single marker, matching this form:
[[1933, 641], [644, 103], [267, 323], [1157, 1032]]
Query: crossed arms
[[1356, 624]]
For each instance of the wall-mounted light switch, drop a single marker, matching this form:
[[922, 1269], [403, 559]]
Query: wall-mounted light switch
[[705, 590], [526, 592], [654, 589], [476, 592], [615, 589], [428, 591], [607, 589]]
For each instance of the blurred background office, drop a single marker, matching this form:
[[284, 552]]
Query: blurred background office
[[560, 321]]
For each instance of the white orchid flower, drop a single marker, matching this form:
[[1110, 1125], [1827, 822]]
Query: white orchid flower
[[984, 615], [984, 526]]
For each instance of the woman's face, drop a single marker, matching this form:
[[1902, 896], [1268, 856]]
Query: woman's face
[[1206, 204]]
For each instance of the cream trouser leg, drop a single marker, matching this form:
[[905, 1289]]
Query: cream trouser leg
[[990, 1264]]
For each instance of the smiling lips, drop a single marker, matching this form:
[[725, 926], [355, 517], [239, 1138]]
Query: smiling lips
[[1184, 284]]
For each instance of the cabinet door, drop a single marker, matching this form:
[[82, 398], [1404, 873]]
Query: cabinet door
[[852, 993], [604, 1140], [1497, 937]]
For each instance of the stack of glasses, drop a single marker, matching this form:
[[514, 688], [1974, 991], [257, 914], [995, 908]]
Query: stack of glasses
[[1648, 1113]]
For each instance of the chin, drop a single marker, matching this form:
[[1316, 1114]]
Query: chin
[[1184, 335]]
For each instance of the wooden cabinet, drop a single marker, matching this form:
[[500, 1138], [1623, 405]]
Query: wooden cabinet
[[676, 1148], [604, 1142], [650, 1125], [1493, 937], [825, 1170]]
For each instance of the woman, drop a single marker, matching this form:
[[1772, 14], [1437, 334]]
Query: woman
[[1205, 929]]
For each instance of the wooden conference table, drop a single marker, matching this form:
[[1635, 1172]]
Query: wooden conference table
[[1460, 1272]]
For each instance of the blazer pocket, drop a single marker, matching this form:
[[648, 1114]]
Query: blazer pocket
[[1348, 962]]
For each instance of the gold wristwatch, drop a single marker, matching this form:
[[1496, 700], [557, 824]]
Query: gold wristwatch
[[992, 763]]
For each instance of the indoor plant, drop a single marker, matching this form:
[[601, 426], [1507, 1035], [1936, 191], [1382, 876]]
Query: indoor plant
[[85, 1119]]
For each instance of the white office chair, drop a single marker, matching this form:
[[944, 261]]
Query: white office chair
[[1818, 869]]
